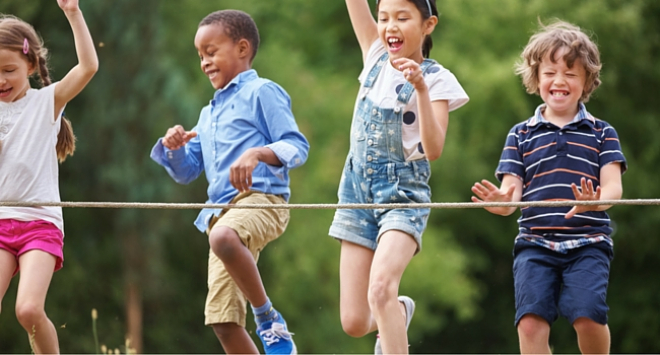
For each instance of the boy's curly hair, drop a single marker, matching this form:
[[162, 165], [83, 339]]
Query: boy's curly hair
[[237, 24], [549, 40]]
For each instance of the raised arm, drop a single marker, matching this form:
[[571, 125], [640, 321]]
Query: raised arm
[[363, 23], [78, 77]]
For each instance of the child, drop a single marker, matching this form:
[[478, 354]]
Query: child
[[561, 255], [399, 124], [31, 238], [246, 140]]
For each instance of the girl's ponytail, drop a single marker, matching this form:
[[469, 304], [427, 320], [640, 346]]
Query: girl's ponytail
[[66, 141]]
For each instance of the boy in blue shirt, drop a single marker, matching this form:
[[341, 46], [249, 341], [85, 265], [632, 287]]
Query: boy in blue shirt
[[561, 255], [245, 142]]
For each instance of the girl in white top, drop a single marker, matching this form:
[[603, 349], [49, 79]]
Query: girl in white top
[[399, 125], [34, 135]]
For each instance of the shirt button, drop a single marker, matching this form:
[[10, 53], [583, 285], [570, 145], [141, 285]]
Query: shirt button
[[369, 158], [561, 133], [370, 171], [397, 109], [370, 142]]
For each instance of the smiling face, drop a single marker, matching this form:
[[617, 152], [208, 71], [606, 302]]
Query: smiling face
[[14, 75], [402, 29], [221, 58], [561, 87]]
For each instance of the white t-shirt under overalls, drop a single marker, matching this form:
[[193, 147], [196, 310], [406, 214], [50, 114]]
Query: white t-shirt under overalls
[[442, 85]]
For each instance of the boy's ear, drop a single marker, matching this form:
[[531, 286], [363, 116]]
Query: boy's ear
[[244, 48]]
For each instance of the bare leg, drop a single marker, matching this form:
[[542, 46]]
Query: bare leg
[[36, 273], [7, 267], [234, 339], [240, 263], [392, 256], [534, 335], [593, 337], [354, 270]]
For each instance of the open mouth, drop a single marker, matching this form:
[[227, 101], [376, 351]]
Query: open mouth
[[394, 43], [5, 92], [212, 74], [559, 93]]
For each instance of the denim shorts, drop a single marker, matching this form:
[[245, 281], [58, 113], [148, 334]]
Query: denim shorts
[[573, 285], [402, 182]]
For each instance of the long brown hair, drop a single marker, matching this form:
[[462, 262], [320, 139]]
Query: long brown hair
[[13, 33]]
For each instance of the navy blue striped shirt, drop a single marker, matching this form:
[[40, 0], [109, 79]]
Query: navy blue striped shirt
[[548, 159]]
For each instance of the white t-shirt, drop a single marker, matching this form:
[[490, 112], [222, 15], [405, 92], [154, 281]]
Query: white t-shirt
[[442, 85], [28, 160]]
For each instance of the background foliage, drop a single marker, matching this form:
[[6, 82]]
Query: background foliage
[[145, 270]]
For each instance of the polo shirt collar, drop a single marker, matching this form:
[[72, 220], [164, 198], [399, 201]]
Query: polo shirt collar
[[582, 116]]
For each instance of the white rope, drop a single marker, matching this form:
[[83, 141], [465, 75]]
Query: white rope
[[446, 205]]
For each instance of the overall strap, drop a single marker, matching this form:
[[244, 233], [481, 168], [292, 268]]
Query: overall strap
[[407, 90], [373, 73]]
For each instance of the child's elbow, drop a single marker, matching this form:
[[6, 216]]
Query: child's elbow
[[434, 154]]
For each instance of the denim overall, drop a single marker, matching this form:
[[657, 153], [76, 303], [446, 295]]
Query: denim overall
[[376, 172]]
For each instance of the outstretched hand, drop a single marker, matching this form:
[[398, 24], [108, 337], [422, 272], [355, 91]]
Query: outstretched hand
[[585, 193], [411, 71], [176, 137], [68, 5], [486, 191]]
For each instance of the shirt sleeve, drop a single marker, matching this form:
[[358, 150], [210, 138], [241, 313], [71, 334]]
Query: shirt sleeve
[[288, 144], [445, 86], [511, 160], [610, 151], [185, 164]]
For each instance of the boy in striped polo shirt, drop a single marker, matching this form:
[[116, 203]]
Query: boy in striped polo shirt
[[561, 254]]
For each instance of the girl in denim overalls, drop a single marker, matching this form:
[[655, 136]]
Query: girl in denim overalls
[[399, 124]]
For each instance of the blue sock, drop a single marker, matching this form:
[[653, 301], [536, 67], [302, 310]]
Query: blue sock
[[264, 313]]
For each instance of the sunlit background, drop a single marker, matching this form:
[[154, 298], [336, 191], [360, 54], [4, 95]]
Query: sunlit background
[[144, 271]]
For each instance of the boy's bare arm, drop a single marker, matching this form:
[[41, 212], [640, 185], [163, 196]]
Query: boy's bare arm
[[610, 189], [510, 191]]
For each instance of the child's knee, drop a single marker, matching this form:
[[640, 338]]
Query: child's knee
[[29, 315], [354, 324], [533, 326], [224, 242], [380, 292], [586, 326]]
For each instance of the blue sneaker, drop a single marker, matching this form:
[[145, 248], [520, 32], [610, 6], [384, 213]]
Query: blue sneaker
[[276, 337], [409, 304]]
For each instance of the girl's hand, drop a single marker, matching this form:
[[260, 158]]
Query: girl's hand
[[68, 5], [586, 193], [411, 71], [176, 137]]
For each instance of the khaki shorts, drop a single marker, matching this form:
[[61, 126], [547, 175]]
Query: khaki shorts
[[225, 303]]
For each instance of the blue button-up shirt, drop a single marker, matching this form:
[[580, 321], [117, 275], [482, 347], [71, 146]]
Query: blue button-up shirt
[[248, 112]]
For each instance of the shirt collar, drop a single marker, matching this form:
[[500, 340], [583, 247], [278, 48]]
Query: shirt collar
[[237, 81], [538, 119]]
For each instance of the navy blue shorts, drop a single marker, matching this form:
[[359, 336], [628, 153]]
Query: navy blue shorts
[[573, 285]]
